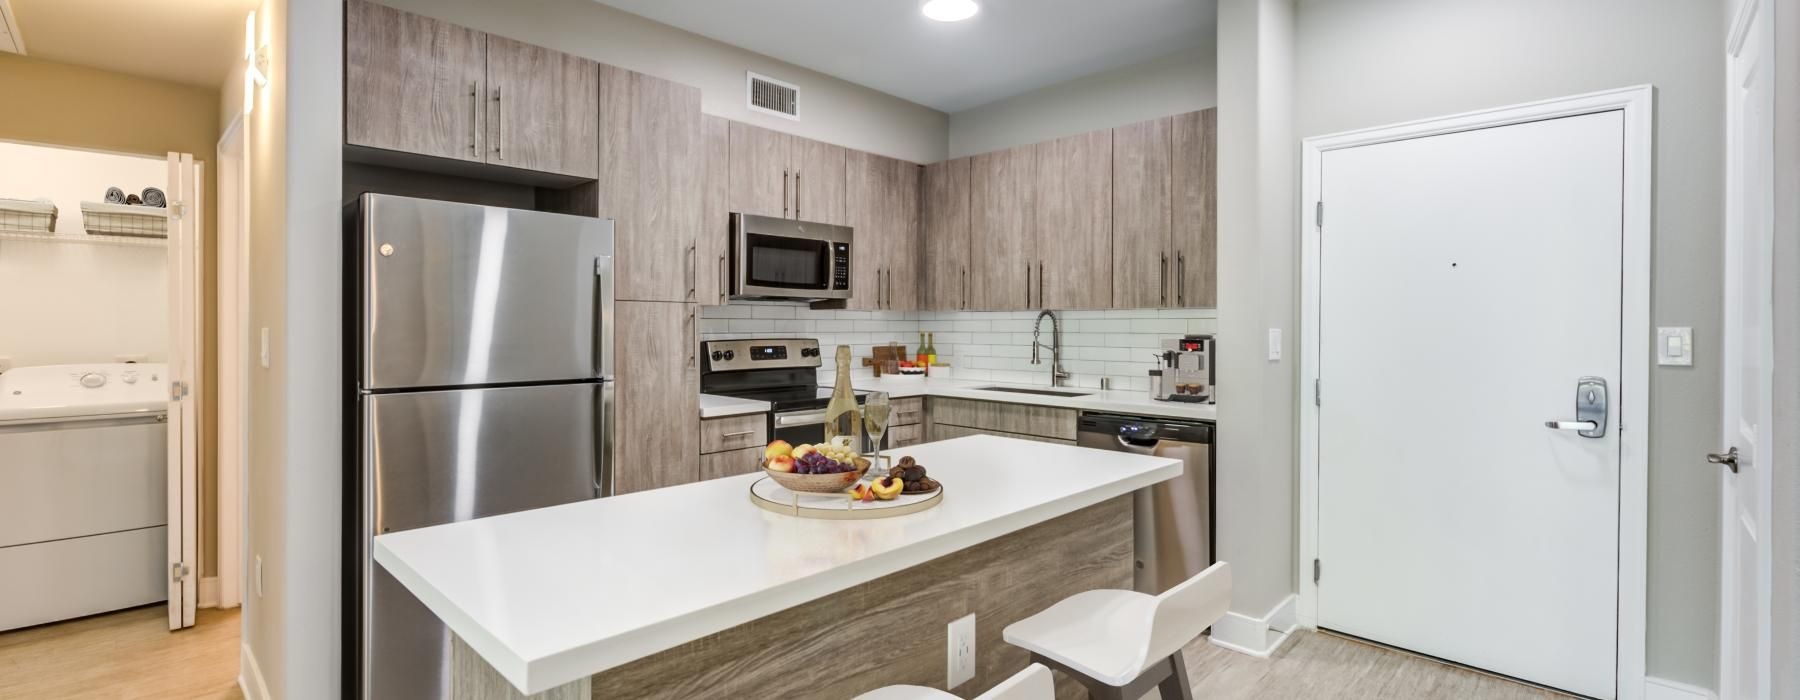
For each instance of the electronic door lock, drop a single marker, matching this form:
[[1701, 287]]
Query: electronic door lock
[[1590, 409]]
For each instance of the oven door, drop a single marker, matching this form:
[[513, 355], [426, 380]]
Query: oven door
[[786, 259], [808, 428]]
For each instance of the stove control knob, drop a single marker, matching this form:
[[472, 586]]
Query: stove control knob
[[93, 380], [730, 355], [716, 356]]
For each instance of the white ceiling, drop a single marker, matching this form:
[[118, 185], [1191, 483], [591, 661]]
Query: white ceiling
[[184, 41], [1011, 47]]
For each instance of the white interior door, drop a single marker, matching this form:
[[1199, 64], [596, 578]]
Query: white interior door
[[186, 201], [1748, 352], [1467, 282]]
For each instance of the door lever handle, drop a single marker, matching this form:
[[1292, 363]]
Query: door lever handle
[[1729, 459], [1571, 424], [1591, 406]]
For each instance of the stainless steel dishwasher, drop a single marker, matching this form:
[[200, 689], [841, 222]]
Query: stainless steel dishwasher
[[1173, 520]]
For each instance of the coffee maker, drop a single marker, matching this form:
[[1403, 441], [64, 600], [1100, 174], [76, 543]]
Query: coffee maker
[[1185, 373]]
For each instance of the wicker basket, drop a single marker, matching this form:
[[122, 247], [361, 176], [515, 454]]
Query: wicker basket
[[102, 219], [29, 215]]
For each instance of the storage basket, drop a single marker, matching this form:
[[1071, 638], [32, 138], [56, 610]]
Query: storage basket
[[102, 219], [29, 215]]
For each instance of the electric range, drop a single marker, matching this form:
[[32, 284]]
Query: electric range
[[781, 371]]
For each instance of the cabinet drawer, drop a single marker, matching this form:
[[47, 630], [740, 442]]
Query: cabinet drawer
[[993, 416], [940, 431], [905, 435], [733, 463], [734, 433], [907, 411]]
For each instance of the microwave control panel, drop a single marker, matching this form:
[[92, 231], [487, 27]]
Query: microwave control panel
[[840, 266]]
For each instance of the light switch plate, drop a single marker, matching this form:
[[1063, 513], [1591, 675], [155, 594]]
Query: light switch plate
[[962, 651], [1274, 344], [1675, 346]]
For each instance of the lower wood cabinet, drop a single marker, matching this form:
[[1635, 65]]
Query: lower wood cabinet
[[905, 435], [945, 432], [722, 464], [656, 404], [906, 424], [734, 433], [1012, 419]]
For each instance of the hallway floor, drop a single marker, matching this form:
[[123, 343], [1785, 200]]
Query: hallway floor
[[127, 654]]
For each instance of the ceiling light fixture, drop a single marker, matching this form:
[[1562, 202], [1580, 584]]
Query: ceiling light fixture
[[950, 10]]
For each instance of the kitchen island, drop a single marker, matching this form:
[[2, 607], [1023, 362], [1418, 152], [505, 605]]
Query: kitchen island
[[693, 591]]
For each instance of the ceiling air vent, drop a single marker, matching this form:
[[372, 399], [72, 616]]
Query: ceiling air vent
[[772, 96]]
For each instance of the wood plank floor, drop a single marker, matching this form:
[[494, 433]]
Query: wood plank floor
[[127, 654], [1327, 667]]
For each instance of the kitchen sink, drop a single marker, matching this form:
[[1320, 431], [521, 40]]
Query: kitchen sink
[[1039, 392]]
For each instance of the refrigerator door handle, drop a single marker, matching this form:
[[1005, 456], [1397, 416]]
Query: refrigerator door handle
[[603, 321], [603, 447]]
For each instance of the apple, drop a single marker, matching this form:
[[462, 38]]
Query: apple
[[781, 463], [778, 448], [802, 451]]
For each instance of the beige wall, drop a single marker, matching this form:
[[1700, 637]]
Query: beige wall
[[1173, 84], [63, 105], [832, 110]]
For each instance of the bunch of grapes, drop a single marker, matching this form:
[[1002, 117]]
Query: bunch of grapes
[[818, 463]]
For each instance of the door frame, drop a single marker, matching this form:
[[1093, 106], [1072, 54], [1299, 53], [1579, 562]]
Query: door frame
[[233, 314], [1637, 103]]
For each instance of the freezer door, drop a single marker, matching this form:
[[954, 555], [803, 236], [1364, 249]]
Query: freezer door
[[442, 456], [458, 294]]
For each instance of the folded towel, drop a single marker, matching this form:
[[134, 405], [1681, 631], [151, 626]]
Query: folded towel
[[115, 195], [155, 197], [133, 199]]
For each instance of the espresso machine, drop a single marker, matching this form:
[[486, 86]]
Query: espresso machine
[[1185, 371]]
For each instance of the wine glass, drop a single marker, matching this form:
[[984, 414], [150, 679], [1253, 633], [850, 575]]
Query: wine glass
[[875, 421]]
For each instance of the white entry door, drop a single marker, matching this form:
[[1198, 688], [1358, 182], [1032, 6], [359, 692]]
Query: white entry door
[[1748, 352], [186, 202], [1468, 283]]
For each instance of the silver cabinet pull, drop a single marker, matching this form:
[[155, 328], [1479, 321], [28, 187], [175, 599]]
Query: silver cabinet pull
[[797, 194], [1163, 281], [1729, 459], [474, 88], [888, 291], [693, 271], [1028, 285], [1040, 283], [807, 418], [693, 338], [739, 433], [965, 288], [784, 193], [1590, 409], [724, 278], [1181, 279]]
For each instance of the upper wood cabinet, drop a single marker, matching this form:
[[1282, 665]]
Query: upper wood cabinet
[[657, 394], [882, 200], [420, 86], [715, 223], [1143, 246], [541, 114], [652, 184], [1003, 256], [1195, 227], [944, 228], [1073, 222], [781, 175], [413, 83]]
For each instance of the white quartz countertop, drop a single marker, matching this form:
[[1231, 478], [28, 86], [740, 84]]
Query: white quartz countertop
[[715, 406], [1112, 401], [553, 595]]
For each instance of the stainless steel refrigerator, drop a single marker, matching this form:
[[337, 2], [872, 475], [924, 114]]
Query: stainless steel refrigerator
[[483, 385]]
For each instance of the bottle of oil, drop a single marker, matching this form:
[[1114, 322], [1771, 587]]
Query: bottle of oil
[[841, 416]]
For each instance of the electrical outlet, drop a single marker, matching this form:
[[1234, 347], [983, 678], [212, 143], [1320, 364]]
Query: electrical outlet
[[962, 651], [1274, 344], [257, 577]]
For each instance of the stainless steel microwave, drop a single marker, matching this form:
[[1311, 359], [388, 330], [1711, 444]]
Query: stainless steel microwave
[[773, 258]]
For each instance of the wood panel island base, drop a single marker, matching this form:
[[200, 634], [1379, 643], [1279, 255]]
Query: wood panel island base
[[693, 592]]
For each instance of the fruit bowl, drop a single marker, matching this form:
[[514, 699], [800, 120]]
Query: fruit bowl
[[818, 483]]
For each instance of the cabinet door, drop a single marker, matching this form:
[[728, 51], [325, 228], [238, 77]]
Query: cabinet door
[[1196, 210], [1074, 222], [541, 109], [652, 183], [656, 424], [818, 181], [714, 237], [413, 83], [944, 209], [762, 176], [903, 254], [1003, 258], [719, 465], [881, 198], [1142, 246]]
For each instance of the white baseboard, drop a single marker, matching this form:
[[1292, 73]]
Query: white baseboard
[[1659, 689], [1257, 636], [250, 678], [209, 592]]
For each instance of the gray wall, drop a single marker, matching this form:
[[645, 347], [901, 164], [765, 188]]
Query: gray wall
[[1173, 84], [1786, 468], [1376, 62], [833, 111]]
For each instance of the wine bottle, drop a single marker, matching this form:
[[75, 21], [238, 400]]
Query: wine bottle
[[930, 350], [841, 416], [921, 355]]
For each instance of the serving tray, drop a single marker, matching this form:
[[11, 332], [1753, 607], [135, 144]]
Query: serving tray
[[770, 496]]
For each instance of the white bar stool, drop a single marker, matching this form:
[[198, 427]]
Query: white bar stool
[[1033, 683], [1119, 644]]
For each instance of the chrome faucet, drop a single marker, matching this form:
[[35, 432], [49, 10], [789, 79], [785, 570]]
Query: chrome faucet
[[1057, 374]]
